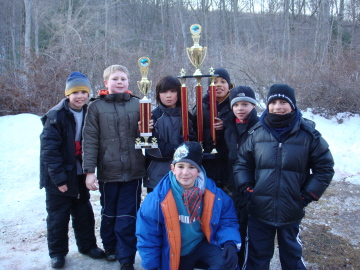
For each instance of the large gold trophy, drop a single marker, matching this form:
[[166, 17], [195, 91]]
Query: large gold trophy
[[196, 55], [145, 107]]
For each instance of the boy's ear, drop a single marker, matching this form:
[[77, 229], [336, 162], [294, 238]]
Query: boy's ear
[[172, 167], [106, 84]]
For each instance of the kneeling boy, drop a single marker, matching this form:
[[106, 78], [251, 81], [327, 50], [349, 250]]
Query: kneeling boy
[[187, 222]]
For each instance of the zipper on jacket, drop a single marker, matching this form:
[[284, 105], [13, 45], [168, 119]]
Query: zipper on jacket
[[78, 196], [277, 180]]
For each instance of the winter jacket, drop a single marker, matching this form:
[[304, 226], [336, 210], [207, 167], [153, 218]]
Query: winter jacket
[[281, 173], [158, 226], [214, 164], [57, 150], [234, 139], [168, 132], [110, 130]]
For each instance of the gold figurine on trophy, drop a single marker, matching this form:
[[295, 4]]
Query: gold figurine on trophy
[[145, 107]]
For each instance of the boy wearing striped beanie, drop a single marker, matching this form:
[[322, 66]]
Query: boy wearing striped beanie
[[61, 174]]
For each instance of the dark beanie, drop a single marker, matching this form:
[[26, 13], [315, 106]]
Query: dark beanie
[[282, 91], [224, 74], [77, 82], [242, 93], [190, 152]]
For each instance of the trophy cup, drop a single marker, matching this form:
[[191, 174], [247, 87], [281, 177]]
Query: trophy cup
[[196, 53], [145, 107]]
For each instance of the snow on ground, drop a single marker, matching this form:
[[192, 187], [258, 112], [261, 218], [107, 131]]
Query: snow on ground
[[23, 214]]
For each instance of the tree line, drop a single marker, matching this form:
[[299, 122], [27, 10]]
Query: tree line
[[312, 45]]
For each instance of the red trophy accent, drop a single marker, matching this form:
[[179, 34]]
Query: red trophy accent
[[145, 115], [213, 111], [199, 115], [184, 113]]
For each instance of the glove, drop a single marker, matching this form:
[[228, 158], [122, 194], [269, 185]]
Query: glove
[[247, 193], [230, 255]]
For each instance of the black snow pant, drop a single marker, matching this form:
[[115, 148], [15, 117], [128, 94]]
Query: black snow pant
[[60, 208], [260, 246]]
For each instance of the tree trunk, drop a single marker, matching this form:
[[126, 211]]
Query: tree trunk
[[27, 40]]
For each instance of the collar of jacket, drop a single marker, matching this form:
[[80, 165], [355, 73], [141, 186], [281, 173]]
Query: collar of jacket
[[170, 111], [117, 97]]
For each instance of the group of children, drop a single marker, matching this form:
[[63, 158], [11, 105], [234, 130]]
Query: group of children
[[203, 210]]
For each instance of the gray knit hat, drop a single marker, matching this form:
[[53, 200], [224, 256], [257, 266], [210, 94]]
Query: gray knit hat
[[242, 93]]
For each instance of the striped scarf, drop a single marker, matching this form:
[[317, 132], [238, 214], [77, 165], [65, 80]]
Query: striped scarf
[[192, 199]]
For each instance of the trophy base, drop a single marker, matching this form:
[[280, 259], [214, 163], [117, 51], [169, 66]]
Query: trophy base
[[145, 146]]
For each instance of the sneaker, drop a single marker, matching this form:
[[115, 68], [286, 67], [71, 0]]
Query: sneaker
[[126, 266], [95, 253], [110, 255], [58, 262]]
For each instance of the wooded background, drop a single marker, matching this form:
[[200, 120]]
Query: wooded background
[[312, 45]]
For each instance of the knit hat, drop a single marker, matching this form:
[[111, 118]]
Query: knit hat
[[190, 152], [282, 91], [77, 82], [224, 74], [242, 93]]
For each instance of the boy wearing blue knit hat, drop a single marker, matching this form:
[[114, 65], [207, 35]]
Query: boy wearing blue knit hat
[[61, 174]]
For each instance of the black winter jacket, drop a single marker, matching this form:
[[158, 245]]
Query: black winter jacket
[[168, 132], [234, 139], [57, 150], [280, 173], [215, 164], [110, 130]]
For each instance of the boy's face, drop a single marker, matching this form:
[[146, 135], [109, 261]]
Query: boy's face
[[241, 110], [185, 174], [78, 99], [169, 98], [279, 106], [222, 88], [118, 82]]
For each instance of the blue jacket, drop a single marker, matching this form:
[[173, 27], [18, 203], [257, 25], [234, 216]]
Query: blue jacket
[[158, 226]]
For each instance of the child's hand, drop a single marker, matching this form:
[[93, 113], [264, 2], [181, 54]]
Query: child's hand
[[218, 125], [63, 188], [151, 125], [91, 181]]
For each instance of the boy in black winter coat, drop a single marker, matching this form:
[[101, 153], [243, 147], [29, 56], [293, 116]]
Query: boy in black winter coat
[[166, 121], [283, 166], [214, 163], [61, 174], [237, 125]]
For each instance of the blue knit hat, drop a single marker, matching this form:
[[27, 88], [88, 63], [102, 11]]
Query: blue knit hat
[[77, 82]]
